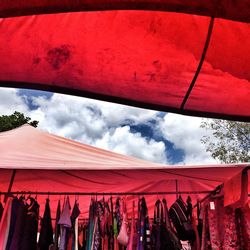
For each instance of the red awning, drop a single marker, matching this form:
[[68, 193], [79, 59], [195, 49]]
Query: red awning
[[139, 55]]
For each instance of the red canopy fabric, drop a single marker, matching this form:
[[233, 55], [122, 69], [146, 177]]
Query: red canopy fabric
[[142, 55], [49, 163]]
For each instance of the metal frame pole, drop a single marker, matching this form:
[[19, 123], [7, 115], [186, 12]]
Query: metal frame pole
[[10, 185]]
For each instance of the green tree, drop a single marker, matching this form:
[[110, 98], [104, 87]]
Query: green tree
[[17, 119], [229, 141]]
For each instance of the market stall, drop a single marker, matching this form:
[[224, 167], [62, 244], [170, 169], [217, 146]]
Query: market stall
[[38, 164]]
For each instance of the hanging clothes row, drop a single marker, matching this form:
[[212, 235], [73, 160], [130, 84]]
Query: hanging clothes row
[[19, 224], [172, 229], [108, 227]]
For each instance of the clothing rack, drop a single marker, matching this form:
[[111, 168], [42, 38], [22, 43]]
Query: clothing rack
[[216, 190]]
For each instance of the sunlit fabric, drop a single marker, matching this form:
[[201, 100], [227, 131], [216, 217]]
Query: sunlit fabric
[[136, 57]]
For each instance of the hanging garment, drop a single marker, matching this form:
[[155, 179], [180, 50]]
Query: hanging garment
[[222, 225], [163, 236], [156, 230], [173, 242], [57, 227], [14, 214], [96, 236], [46, 232], [132, 236], [82, 237], [21, 214], [195, 245], [243, 226], [118, 215], [101, 216], [123, 237], [118, 222], [65, 223], [1, 210], [108, 228], [200, 221], [143, 228], [5, 223], [76, 235], [30, 227], [181, 219], [91, 225], [110, 224], [205, 242], [74, 215]]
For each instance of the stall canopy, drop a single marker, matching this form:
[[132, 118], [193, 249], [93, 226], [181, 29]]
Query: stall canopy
[[189, 57], [49, 163]]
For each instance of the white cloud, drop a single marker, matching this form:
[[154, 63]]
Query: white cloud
[[10, 102], [185, 133], [107, 125], [98, 123], [121, 140], [77, 117]]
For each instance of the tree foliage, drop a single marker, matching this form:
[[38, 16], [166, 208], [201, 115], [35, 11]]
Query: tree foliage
[[229, 141], [17, 119]]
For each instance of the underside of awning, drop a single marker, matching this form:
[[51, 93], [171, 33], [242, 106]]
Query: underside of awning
[[166, 55]]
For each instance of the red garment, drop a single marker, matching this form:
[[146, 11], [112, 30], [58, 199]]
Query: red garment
[[224, 232], [243, 226], [196, 244], [206, 243]]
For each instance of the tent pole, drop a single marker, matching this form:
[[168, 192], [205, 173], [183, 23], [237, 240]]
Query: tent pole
[[10, 185]]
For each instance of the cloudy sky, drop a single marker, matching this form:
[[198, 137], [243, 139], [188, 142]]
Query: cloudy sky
[[155, 136]]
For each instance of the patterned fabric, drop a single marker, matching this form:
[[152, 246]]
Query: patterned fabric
[[230, 240], [132, 231], [143, 226], [222, 226], [243, 227], [65, 224], [180, 216], [101, 216], [97, 236], [91, 225], [118, 214], [74, 215], [206, 243], [109, 239]]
